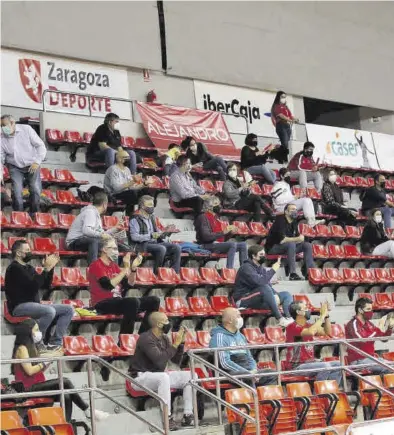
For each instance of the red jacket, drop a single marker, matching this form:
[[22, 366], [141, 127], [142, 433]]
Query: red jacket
[[356, 329], [299, 161]]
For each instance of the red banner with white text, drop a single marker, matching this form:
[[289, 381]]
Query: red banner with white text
[[167, 124]]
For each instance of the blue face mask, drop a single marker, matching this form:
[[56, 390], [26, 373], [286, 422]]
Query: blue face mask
[[6, 130]]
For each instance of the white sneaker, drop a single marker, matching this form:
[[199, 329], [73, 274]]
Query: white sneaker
[[313, 222], [100, 415], [285, 321]]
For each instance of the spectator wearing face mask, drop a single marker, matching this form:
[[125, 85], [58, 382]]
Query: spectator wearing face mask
[[253, 160], [211, 235], [199, 155], [333, 203], [237, 361], [284, 238], [303, 357], [281, 196], [237, 195], [360, 326], [147, 238], [184, 190], [375, 197], [374, 239], [283, 119], [253, 287], [105, 141], [305, 169], [108, 284]]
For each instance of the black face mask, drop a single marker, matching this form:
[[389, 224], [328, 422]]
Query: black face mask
[[166, 328], [287, 179], [307, 315], [217, 209], [254, 144], [28, 257], [261, 260], [308, 153], [383, 184]]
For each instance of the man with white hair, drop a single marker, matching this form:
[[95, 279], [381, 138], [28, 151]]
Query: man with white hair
[[22, 151], [238, 361], [149, 362]]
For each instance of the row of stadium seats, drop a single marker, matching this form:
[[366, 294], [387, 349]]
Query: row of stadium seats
[[333, 276]]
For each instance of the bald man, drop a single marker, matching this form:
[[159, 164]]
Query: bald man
[[237, 361], [148, 365]]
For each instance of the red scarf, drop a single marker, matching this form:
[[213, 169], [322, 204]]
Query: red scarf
[[215, 223]]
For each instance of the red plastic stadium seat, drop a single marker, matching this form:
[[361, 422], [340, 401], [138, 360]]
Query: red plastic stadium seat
[[9, 317], [49, 194], [266, 189], [167, 276], [256, 189], [219, 186], [67, 198], [338, 232], [72, 277], [156, 183], [383, 301], [21, 219], [383, 276], [307, 230], [128, 142], [337, 332], [44, 221], [275, 334], [207, 185], [333, 275], [254, 336], [128, 342], [220, 303], [349, 181], [228, 275], [320, 251], [3, 249], [54, 136], [76, 345], [87, 137], [105, 345], [65, 176], [65, 220], [176, 306], [317, 277], [44, 245], [367, 276], [313, 193], [350, 276], [143, 143], [145, 276], [4, 220], [304, 298], [47, 176], [336, 251], [351, 251], [203, 337], [73, 137], [210, 276], [353, 232], [190, 341], [361, 182], [190, 276], [11, 423], [110, 222], [199, 306], [241, 228], [257, 229], [323, 231]]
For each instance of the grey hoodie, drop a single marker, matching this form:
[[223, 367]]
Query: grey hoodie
[[86, 224]]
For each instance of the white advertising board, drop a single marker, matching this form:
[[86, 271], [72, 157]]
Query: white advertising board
[[25, 76]]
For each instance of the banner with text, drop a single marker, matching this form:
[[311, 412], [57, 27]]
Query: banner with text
[[255, 105], [25, 76], [344, 146], [384, 145], [167, 124]]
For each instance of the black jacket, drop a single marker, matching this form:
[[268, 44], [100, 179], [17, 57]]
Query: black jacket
[[249, 158], [202, 155], [372, 236], [373, 198], [204, 233]]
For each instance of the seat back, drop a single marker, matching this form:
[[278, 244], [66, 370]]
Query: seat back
[[64, 175], [176, 306], [44, 244], [228, 275], [338, 231], [200, 304], [351, 251], [76, 345], [320, 251], [44, 220], [388, 380], [71, 275], [145, 275], [336, 251], [275, 334], [353, 232], [299, 389], [21, 219], [204, 337], [104, 343], [254, 336], [210, 275], [220, 303], [237, 396], [190, 275], [168, 275], [11, 420], [258, 228], [128, 342], [46, 416], [65, 196], [65, 220], [337, 332]]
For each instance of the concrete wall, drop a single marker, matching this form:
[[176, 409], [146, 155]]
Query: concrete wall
[[385, 125]]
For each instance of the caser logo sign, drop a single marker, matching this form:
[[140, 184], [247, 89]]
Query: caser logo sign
[[30, 75]]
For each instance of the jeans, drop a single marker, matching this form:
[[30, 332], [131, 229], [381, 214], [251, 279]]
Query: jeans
[[129, 308], [321, 375], [263, 298], [44, 315], [108, 156], [291, 249], [69, 399], [305, 176], [386, 249], [216, 164], [18, 176], [268, 174], [254, 203], [229, 248], [86, 244], [162, 382], [375, 368], [387, 212], [283, 130], [304, 204], [161, 250]]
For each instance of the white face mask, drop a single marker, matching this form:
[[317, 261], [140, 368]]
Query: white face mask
[[37, 336], [283, 100], [232, 174], [378, 219], [332, 178], [117, 126], [239, 323]]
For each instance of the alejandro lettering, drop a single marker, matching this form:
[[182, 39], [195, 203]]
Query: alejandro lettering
[[83, 79]]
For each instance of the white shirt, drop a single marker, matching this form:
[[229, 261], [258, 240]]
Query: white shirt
[[23, 148], [281, 194]]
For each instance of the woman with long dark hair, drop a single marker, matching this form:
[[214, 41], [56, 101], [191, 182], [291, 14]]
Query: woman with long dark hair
[[31, 375], [282, 118]]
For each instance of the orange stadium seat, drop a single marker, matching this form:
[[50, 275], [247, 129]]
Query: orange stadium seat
[[53, 418], [11, 424]]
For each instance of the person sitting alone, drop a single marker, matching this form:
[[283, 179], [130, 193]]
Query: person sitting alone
[[148, 366], [374, 238], [253, 289]]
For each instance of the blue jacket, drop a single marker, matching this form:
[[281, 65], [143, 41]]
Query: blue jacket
[[250, 276], [221, 337]]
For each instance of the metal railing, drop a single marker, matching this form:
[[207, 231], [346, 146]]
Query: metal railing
[[224, 376], [91, 389]]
